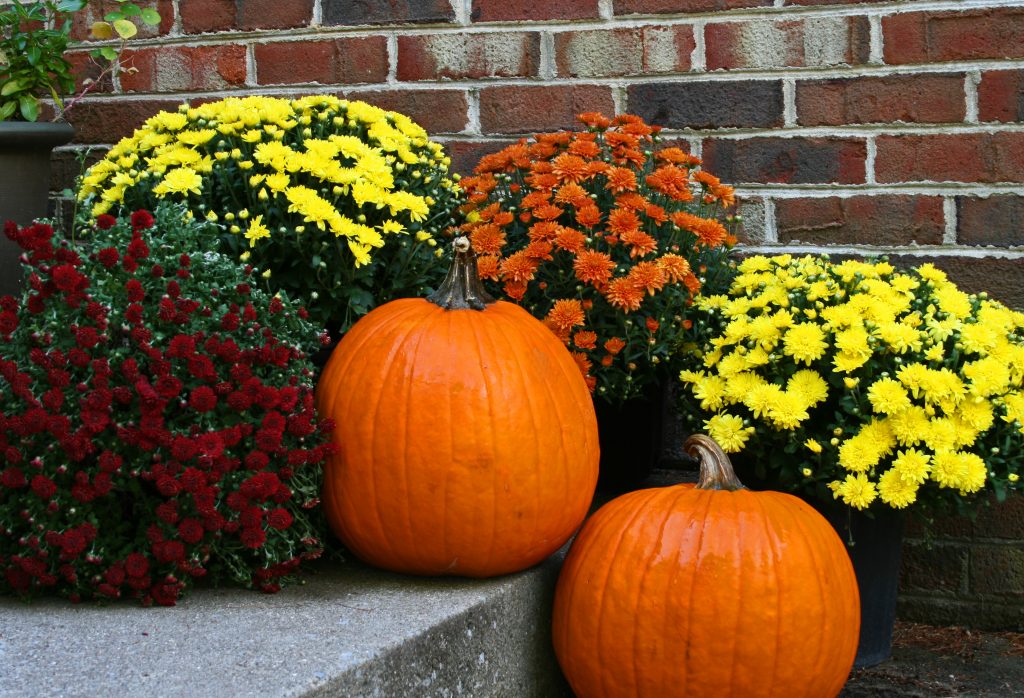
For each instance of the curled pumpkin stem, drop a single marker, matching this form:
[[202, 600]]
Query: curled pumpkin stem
[[716, 471], [462, 288]]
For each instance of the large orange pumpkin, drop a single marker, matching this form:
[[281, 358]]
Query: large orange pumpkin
[[466, 437], [711, 590]]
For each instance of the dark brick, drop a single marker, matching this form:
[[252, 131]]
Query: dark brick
[[968, 157], [1004, 520], [787, 160], [438, 111], [832, 2], [921, 98], [337, 61], [772, 44], [198, 16], [997, 570], [625, 7], [932, 37], [942, 528], [937, 568], [1000, 278], [528, 109], [67, 165], [466, 154], [515, 10], [1001, 96], [720, 104], [459, 56], [865, 220], [386, 11], [110, 121], [993, 220], [983, 614]]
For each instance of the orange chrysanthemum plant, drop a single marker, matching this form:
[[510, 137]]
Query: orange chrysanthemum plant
[[607, 238]]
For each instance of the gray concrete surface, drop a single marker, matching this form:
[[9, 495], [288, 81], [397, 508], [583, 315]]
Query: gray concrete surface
[[349, 631]]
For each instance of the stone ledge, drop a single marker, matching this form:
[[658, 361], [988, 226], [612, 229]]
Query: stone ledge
[[350, 631]]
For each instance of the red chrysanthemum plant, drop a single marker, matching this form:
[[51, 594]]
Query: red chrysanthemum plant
[[156, 419], [606, 236]]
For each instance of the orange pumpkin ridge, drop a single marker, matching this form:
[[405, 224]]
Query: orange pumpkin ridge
[[708, 590], [466, 436]]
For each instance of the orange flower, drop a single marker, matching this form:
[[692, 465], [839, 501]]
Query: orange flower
[[674, 266], [502, 218], [585, 147], [623, 294], [692, 283], [544, 180], [543, 230], [622, 220], [585, 339], [607, 360], [671, 181], [487, 239], [487, 267], [614, 345], [652, 325], [547, 212], [515, 289], [618, 139], [620, 179], [557, 138], [543, 151], [570, 240], [539, 251], [588, 216], [656, 213], [582, 361], [640, 243], [593, 267], [591, 382], [711, 232], [518, 268], [632, 201], [535, 199], [648, 276], [677, 157], [566, 314], [596, 167], [706, 178], [593, 119], [569, 168], [572, 193], [562, 334], [507, 159], [725, 194]]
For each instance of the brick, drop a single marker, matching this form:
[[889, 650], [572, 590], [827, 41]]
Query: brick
[[110, 121], [438, 111], [515, 10], [751, 230], [94, 11], [993, 220], [932, 37], [348, 12], [941, 527], [617, 52], [937, 568], [337, 61], [923, 98], [1001, 96], [461, 56], [968, 157], [1000, 278], [66, 166], [186, 68], [812, 43], [998, 570], [983, 614], [528, 109], [198, 16], [864, 220], [741, 104], [831, 2], [646, 7], [85, 67], [787, 160], [1005, 520], [466, 154]]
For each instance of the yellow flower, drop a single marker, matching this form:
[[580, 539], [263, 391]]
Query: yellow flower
[[857, 491], [808, 386], [728, 431], [895, 491], [912, 465], [805, 342], [887, 396], [814, 447], [256, 230], [182, 180], [788, 411], [710, 390]]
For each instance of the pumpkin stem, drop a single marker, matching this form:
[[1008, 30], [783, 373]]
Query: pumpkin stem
[[716, 471], [462, 288]]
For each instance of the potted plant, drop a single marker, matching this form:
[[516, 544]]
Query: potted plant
[[34, 37], [868, 390], [606, 236]]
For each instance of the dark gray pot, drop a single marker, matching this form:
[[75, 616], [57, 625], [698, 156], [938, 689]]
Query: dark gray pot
[[24, 184]]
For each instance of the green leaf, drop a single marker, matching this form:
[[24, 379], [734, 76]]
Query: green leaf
[[125, 29], [29, 107], [131, 10], [7, 110], [102, 30], [113, 16], [109, 53], [12, 86], [151, 17], [71, 5]]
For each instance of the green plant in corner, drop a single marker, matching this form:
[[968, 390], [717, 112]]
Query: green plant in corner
[[34, 38]]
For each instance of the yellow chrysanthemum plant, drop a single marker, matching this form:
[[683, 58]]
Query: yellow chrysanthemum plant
[[858, 382], [338, 203]]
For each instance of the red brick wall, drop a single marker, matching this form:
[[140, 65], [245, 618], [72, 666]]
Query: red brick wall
[[864, 127]]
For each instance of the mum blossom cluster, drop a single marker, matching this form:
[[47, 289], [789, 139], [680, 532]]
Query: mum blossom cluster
[[874, 383], [332, 198], [156, 420], [603, 236]]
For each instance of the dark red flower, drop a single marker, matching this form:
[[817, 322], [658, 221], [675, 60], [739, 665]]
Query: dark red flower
[[105, 221], [108, 257], [137, 248], [279, 519], [191, 531], [168, 486], [68, 279], [8, 322], [43, 486], [203, 399], [142, 219], [252, 537], [12, 478], [169, 551], [136, 565], [134, 290]]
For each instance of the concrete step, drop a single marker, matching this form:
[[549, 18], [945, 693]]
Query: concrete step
[[349, 631]]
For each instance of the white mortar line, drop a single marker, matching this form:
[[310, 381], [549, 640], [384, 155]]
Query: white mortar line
[[789, 102], [780, 3], [176, 22], [698, 59], [696, 146], [771, 228], [901, 250], [473, 113], [463, 11], [949, 236], [548, 64], [876, 54], [251, 78], [620, 98], [869, 161], [971, 82], [318, 13], [605, 9], [392, 49], [845, 191]]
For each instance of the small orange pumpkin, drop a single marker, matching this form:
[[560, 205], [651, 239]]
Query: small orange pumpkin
[[466, 437], [711, 590]]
